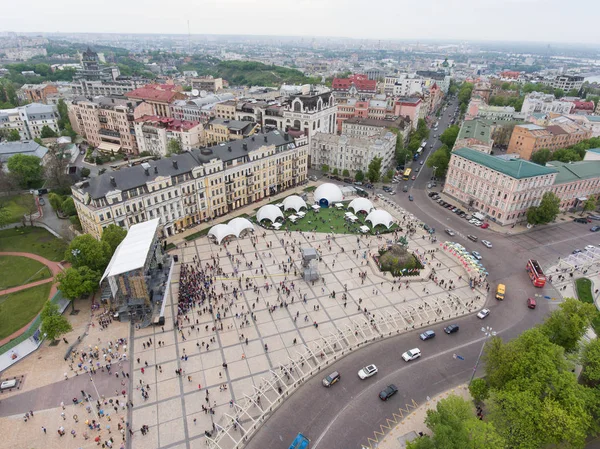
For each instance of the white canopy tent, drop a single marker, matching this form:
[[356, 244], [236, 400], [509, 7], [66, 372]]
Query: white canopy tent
[[269, 212], [316, 207], [293, 202], [276, 225], [361, 205], [339, 205], [378, 217], [301, 214], [240, 225], [220, 231], [293, 218], [364, 229], [328, 194]]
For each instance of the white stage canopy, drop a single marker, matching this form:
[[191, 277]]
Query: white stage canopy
[[293, 202], [378, 217], [269, 212], [361, 205], [328, 193]]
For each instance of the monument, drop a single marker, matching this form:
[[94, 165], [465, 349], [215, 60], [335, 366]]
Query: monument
[[310, 260]]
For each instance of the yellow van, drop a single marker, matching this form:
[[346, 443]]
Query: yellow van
[[501, 290]]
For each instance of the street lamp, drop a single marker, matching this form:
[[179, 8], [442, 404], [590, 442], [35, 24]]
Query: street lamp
[[488, 332]]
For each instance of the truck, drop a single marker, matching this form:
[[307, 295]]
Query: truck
[[500, 292], [479, 216]]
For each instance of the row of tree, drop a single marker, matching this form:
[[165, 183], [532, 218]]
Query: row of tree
[[574, 153], [531, 395]]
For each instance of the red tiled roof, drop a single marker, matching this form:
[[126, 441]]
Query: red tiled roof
[[167, 122], [586, 105], [362, 83], [164, 93]]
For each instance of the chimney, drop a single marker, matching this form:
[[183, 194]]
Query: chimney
[[265, 139], [155, 170], [147, 172], [286, 136], [113, 182], [245, 145], [174, 164], [229, 148]]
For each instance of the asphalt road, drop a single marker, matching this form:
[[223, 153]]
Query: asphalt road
[[346, 414]]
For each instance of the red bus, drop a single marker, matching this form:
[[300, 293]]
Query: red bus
[[535, 273]]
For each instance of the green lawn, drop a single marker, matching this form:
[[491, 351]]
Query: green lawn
[[33, 240], [18, 309], [584, 293], [21, 270], [16, 210]]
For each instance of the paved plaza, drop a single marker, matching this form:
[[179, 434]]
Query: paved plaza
[[374, 305]]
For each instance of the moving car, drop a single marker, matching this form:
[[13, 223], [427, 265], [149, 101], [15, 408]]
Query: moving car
[[483, 313], [427, 335], [405, 188], [531, 303], [411, 355], [367, 371], [450, 232], [388, 392], [331, 379], [472, 237], [420, 162], [487, 243], [576, 251], [451, 329], [476, 255], [500, 292], [595, 228], [413, 177], [410, 198], [590, 247]]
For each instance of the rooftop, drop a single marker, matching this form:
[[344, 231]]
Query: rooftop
[[164, 93], [532, 127], [574, 171], [231, 124], [515, 168], [28, 147], [167, 122], [475, 129], [398, 123]]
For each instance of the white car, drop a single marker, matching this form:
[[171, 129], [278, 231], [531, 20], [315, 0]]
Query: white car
[[380, 196], [477, 223], [590, 247], [476, 255], [483, 313], [487, 243], [367, 371], [411, 355]]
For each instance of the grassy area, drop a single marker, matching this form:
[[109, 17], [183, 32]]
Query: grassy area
[[16, 209], [198, 234], [18, 309], [33, 240], [309, 189], [21, 270], [584, 294], [170, 246]]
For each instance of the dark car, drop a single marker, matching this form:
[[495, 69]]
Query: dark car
[[431, 194], [388, 392], [582, 220], [410, 198], [348, 180], [387, 189], [331, 379], [472, 238], [452, 328], [427, 335]]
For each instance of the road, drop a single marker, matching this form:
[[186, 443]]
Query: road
[[346, 414]]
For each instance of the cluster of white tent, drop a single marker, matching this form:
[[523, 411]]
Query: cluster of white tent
[[234, 228]]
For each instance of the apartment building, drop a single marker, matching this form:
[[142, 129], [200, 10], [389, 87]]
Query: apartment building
[[93, 88], [565, 82], [193, 186], [159, 96], [30, 119], [368, 127], [376, 108], [537, 102], [503, 188], [37, 93], [343, 152], [310, 114], [410, 108], [475, 134], [154, 133], [107, 123], [220, 130], [354, 86], [576, 182], [478, 108], [207, 84], [528, 138], [199, 109]]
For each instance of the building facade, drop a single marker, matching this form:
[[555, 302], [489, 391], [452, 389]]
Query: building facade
[[576, 182], [354, 86], [199, 109], [310, 114], [159, 96], [153, 134], [207, 84], [220, 130], [410, 108], [375, 108], [475, 134], [537, 102], [29, 120], [37, 93], [566, 82], [528, 138], [193, 186]]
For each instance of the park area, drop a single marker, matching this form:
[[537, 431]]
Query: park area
[[19, 308], [21, 270], [33, 240], [17, 206], [584, 294]]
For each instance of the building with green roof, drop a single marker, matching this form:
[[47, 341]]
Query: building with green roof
[[475, 134]]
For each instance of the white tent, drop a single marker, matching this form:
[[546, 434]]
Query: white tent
[[378, 217], [293, 218], [328, 194], [293, 202], [301, 214], [269, 212], [239, 225], [339, 205], [276, 225], [364, 229], [316, 207], [361, 205], [220, 231]]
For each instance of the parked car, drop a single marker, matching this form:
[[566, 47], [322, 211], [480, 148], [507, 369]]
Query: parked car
[[405, 188], [427, 335], [41, 200], [331, 379], [486, 243], [348, 180], [485, 225], [476, 255], [431, 194], [450, 232], [483, 313], [576, 251], [411, 355], [595, 228], [410, 198], [388, 392], [587, 247], [582, 220], [367, 371], [451, 329], [454, 209], [531, 303]]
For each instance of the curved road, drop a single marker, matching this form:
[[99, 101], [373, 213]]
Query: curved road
[[345, 415]]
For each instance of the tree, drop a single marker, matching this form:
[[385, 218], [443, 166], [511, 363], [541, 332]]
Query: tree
[[567, 325], [68, 207], [113, 235], [335, 172], [85, 250], [85, 172], [359, 176], [479, 390], [403, 156], [345, 173], [589, 204], [55, 201], [439, 159], [541, 157], [13, 136], [388, 175], [4, 215], [547, 210], [325, 168], [30, 207], [590, 360], [54, 326], [49, 309], [374, 172], [47, 132], [27, 169], [566, 155], [55, 171], [173, 147], [449, 136], [77, 282]]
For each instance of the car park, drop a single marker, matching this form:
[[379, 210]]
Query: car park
[[487, 243], [451, 329], [427, 335], [388, 392], [483, 313], [411, 355], [595, 228], [472, 237], [531, 303], [454, 209], [331, 379], [476, 255], [450, 232], [367, 371]]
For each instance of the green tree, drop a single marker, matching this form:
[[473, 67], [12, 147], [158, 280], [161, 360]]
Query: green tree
[[85, 250], [388, 175], [335, 172], [47, 132], [359, 176], [589, 204], [403, 156], [345, 173], [422, 129], [546, 212], [439, 159], [566, 155], [49, 309], [77, 282], [567, 325], [542, 156], [13, 136], [374, 172], [449, 136], [590, 360], [54, 326], [173, 147], [56, 201], [85, 172], [4, 215], [479, 390], [27, 169], [325, 168], [113, 235], [68, 207], [38, 141]]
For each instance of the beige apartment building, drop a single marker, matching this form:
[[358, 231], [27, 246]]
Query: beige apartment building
[[37, 93], [194, 186], [159, 96], [107, 123], [223, 130], [153, 134], [528, 138], [226, 110], [207, 84]]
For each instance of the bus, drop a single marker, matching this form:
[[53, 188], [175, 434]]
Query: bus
[[406, 175], [535, 273]]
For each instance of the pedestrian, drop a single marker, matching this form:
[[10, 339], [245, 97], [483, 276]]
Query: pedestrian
[[44, 429]]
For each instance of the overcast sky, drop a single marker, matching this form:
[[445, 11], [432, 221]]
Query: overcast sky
[[514, 20]]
